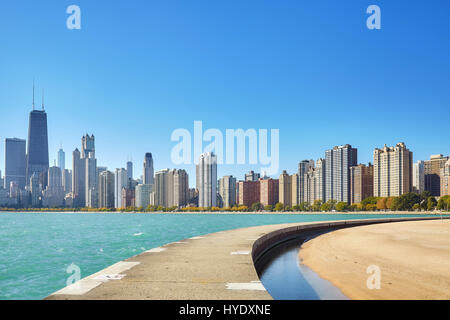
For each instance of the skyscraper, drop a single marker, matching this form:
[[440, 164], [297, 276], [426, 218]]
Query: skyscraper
[[61, 159], [91, 180], [337, 172], [36, 190], [120, 182], [15, 162], [227, 190], [252, 176], [143, 195], [361, 183], [78, 179], [285, 189], [67, 180], [314, 183], [303, 168], [207, 180], [37, 151], [445, 179], [161, 189], [148, 176], [180, 197], [53, 195], [269, 189], [87, 146], [392, 171], [106, 190], [418, 176], [249, 193], [130, 170], [432, 172]]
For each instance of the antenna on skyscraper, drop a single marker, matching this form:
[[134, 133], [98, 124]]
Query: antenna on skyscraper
[[43, 100]]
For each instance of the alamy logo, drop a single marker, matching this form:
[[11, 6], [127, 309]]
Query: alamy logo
[[374, 280], [232, 150], [374, 21], [74, 20], [75, 276]]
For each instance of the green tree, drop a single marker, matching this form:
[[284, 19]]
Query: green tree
[[342, 206], [431, 203], [325, 207], [443, 203], [304, 207], [268, 208], [316, 205], [279, 207], [256, 207]]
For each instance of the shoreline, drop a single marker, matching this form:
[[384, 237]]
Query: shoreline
[[412, 258], [394, 213]]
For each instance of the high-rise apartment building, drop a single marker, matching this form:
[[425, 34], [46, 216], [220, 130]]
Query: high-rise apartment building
[[432, 172], [120, 182], [252, 176], [15, 163], [53, 195], [361, 182], [35, 190], [207, 180], [285, 189], [314, 183], [299, 185], [418, 179], [78, 179], [337, 172], [106, 190], [91, 180], [143, 192], [269, 191], [227, 191], [445, 179], [180, 197], [161, 189], [392, 171], [249, 193], [67, 180], [148, 175]]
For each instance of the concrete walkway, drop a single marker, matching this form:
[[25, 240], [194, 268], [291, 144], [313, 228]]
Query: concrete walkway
[[217, 266]]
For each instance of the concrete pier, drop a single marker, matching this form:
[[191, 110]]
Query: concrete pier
[[217, 266]]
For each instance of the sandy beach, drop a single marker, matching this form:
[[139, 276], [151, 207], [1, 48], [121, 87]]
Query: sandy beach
[[413, 259]]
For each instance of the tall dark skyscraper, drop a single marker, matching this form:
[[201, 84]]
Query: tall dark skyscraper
[[37, 152], [15, 162], [130, 170], [148, 175]]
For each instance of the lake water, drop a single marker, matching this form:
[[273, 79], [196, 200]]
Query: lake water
[[37, 248]]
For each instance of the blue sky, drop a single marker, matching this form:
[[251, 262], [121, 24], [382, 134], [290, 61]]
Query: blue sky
[[137, 70]]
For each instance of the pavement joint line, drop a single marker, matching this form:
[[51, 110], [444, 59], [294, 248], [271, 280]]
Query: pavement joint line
[[156, 250], [241, 252]]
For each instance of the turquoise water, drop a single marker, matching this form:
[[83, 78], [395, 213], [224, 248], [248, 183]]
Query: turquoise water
[[37, 248]]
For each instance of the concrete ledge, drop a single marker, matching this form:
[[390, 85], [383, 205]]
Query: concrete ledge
[[219, 266]]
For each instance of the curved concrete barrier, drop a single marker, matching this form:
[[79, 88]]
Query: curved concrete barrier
[[218, 266]]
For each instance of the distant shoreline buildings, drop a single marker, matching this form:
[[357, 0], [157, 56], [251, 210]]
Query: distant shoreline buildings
[[29, 181]]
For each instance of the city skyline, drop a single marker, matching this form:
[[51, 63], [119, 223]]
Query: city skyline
[[180, 73]]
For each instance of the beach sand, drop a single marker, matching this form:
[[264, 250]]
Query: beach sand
[[413, 259]]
